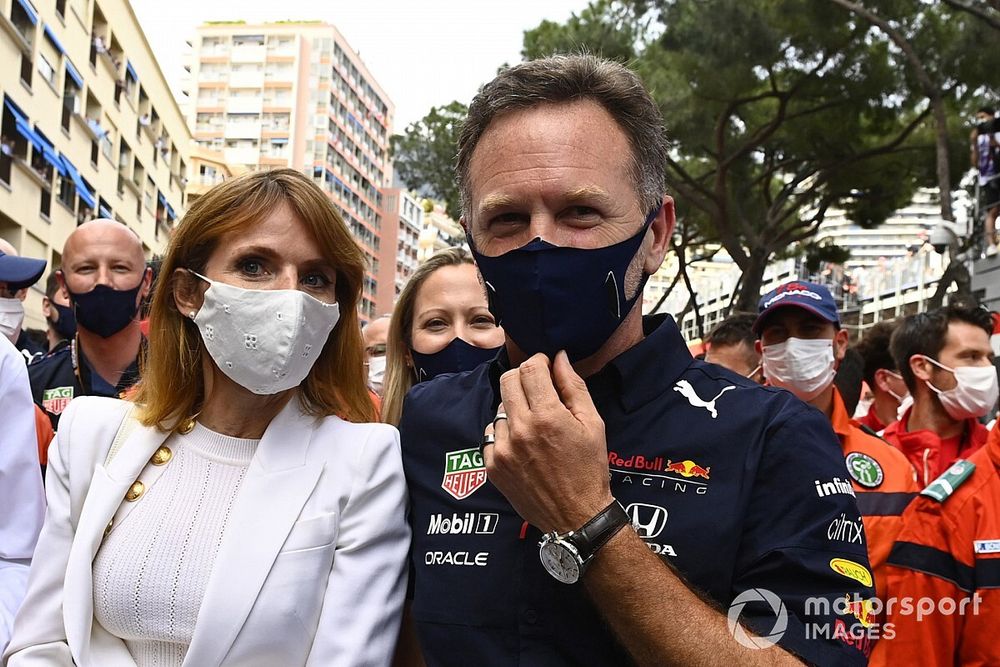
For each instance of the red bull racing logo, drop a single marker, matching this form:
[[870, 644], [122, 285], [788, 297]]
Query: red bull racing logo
[[688, 468], [464, 472]]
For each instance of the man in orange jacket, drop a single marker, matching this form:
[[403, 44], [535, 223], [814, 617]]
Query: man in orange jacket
[[947, 556], [882, 376], [947, 363], [802, 344]]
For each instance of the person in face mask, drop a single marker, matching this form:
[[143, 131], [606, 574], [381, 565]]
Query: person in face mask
[[17, 274], [374, 335], [732, 345], [242, 508], [883, 378], [441, 324], [802, 344], [946, 361], [58, 314], [103, 278], [593, 447]]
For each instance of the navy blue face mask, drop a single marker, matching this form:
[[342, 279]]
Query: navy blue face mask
[[65, 326], [455, 357], [549, 298], [104, 310]]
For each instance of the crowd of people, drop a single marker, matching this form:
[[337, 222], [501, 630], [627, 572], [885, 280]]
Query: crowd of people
[[221, 466]]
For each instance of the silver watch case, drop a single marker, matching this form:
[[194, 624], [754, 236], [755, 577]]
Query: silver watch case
[[560, 558]]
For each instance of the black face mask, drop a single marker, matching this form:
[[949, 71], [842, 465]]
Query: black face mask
[[455, 357], [549, 298], [65, 326], [104, 310]]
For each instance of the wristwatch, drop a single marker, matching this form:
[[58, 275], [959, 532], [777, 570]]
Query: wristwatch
[[567, 556]]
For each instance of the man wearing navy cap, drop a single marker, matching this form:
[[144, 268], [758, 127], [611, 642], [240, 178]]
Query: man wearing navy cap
[[595, 496], [801, 345], [17, 274]]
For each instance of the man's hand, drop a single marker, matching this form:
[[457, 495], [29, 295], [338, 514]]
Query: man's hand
[[550, 458]]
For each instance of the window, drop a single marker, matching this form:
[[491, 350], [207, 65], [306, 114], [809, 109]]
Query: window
[[46, 70], [61, 8]]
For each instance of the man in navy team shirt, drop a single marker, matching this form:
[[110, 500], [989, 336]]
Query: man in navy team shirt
[[594, 496]]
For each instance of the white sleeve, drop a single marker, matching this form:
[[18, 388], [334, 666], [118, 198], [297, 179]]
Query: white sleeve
[[359, 624], [22, 497], [39, 636]]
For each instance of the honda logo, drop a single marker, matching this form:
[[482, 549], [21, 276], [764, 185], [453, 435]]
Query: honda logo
[[648, 520]]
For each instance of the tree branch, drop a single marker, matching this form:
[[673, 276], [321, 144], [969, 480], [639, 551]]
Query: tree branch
[[975, 11]]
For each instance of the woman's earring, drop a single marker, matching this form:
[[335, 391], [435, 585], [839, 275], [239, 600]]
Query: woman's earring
[[192, 314]]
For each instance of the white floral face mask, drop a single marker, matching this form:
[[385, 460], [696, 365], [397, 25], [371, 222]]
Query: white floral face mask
[[264, 340]]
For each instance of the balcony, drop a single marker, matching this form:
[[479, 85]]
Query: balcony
[[248, 104], [246, 79], [242, 130], [248, 53]]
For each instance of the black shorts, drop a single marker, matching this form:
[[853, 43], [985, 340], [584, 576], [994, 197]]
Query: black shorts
[[989, 194]]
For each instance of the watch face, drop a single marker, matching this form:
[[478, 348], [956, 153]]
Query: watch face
[[560, 562]]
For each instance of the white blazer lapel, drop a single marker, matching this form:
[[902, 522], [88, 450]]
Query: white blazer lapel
[[277, 486], [106, 493]]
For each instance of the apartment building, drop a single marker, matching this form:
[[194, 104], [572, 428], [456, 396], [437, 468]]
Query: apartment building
[[208, 169], [437, 231], [400, 230], [295, 94], [89, 129]]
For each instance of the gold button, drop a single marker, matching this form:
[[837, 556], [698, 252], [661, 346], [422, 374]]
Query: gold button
[[108, 529], [161, 456], [135, 491], [186, 427]]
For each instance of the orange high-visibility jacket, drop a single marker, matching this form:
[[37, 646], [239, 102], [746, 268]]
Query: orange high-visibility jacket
[[883, 482], [948, 550]]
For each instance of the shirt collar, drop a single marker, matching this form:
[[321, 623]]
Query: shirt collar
[[635, 376]]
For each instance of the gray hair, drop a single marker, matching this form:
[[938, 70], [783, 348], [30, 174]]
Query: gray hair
[[570, 78]]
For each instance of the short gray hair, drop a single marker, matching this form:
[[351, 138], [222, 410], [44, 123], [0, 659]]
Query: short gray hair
[[570, 78]]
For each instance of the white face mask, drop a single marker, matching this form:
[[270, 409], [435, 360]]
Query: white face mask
[[904, 405], [265, 340], [975, 392], [900, 398], [11, 318], [803, 366], [376, 373]]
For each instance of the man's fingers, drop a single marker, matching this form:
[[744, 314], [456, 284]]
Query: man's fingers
[[500, 426], [536, 381], [512, 394], [571, 387], [485, 447]]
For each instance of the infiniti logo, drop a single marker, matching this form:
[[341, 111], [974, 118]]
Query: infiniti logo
[[648, 520]]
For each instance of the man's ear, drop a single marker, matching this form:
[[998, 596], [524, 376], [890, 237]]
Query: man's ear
[[921, 368], [147, 281], [189, 295], [662, 229], [880, 382], [61, 279], [46, 307], [840, 343], [759, 348]]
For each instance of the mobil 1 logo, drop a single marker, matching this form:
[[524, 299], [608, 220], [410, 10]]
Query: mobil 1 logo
[[468, 523]]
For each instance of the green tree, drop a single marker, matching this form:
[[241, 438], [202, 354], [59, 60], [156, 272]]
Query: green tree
[[424, 155]]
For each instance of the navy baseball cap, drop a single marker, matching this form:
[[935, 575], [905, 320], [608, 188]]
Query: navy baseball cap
[[809, 296], [20, 272]]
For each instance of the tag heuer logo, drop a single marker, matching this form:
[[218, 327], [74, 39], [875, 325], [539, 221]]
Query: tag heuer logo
[[55, 400], [464, 472]]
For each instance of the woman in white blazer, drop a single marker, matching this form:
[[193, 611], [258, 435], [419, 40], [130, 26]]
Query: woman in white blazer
[[238, 513]]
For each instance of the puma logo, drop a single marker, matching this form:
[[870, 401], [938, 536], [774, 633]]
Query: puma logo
[[697, 401]]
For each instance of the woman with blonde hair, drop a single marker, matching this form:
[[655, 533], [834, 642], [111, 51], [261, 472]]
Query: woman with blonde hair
[[239, 512], [441, 324]]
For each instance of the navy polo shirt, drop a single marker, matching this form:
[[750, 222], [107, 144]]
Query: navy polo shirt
[[733, 484]]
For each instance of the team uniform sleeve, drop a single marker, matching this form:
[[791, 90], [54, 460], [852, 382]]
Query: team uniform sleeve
[[800, 487], [361, 613], [21, 494]]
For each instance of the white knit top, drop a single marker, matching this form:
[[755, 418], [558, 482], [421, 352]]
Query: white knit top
[[151, 571]]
